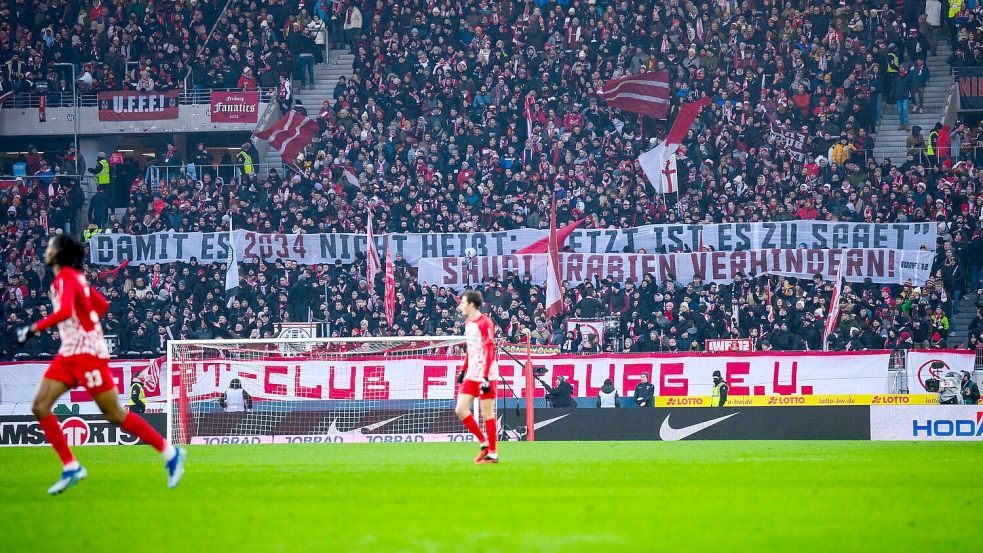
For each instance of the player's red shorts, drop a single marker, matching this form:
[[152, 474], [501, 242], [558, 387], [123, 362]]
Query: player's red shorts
[[85, 369], [472, 388]]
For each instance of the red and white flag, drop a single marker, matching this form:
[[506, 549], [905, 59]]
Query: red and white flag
[[660, 168], [291, 134], [389, 301], [542, 245], [834, 304], [646, 93], [4, 96], [371, 257], [554, 299], [659, 163]]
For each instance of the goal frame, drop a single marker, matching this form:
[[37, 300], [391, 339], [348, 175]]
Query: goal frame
[[526, 372]]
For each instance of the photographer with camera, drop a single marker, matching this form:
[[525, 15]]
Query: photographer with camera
[[970, 390], [560, 396]]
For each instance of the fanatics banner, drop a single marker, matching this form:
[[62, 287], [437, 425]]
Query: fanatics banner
[[168, 247], [138, 106], [235, 107], [882, 266]]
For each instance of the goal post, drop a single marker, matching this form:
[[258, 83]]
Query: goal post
[[320, 390]]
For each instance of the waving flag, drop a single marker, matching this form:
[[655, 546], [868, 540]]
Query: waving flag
[[660, 168], [659, 163], [542, 245], [834, 304], [646, 93], [232, 272], [371, 257], [554, 300], [290, 135], [389, 301]]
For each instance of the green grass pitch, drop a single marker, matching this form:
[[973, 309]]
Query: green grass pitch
[[545, 496]]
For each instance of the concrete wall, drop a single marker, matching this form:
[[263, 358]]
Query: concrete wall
[[193, 118]]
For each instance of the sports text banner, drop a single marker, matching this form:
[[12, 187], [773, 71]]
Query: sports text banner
[[235, 107], [757, 374], [880, 265], [138, 106], [166, 247]]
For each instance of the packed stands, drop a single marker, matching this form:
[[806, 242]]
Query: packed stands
[[463, 116]]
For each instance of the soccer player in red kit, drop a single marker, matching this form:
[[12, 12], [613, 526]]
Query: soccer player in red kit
[[83, 358], [479, 376]]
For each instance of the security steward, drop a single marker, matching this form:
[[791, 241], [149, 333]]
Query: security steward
[[644, 392], [245, 159], [101, 170], [719, 396], [138, 399]]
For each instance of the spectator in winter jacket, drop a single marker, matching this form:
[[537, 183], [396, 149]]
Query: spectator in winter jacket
[[919, 79], [902, 96], [970, 390], [607, 397]]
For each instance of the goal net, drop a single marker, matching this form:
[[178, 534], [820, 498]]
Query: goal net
[[320, 390]]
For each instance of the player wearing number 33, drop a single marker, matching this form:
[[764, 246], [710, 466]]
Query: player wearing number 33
[[83, 359], [479, 375]]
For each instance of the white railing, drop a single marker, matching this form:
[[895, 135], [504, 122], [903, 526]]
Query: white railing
[[91, 99]]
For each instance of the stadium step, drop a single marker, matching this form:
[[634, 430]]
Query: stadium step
[[889, 140], [326, 76], [959, 324]]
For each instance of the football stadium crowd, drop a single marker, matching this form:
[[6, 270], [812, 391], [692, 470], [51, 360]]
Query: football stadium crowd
[[472, 115]]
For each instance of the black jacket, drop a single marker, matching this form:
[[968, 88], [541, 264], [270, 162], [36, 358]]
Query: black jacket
[[970, 392], [644, 394], [561, 395]]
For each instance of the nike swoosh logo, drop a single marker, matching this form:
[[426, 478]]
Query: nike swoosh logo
[[669, 434], [333, 429], [541, 424]]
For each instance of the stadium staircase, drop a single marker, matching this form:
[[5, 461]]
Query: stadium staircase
[[890, 141], [959, 323], [325, 78]]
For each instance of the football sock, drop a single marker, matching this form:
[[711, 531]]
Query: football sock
[[52, 431], [492, 434], [142, 429], [472, 426]]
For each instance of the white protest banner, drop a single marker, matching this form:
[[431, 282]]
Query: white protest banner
[[211, 247], [936, 363], [881, 266], [432, 377], [19, 383]]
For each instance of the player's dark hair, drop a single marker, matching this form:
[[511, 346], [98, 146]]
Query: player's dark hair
[[69, 252], [473, 297]]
